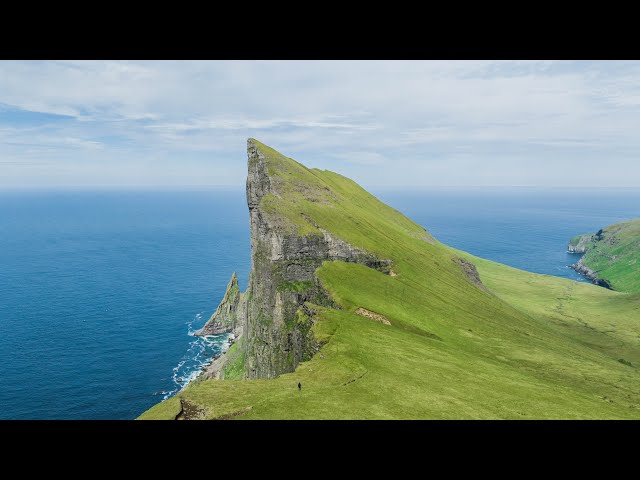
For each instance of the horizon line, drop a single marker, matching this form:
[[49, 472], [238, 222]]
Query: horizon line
[[241, 185]]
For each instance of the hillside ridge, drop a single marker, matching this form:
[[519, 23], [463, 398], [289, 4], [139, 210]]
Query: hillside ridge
[[375, 318]]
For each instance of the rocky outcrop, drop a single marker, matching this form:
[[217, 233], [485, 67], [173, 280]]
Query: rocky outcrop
[[274, 314], [470, 271], [592, 275], [611, 256], [580, 243], [225, 318], [583, 244]]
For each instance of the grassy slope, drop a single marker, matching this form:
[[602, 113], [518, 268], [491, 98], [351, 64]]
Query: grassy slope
[[533, 346], [618, 262]]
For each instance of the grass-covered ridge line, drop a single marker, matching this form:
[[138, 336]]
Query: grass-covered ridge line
[[613, 253], [307, 197], [520, 345]]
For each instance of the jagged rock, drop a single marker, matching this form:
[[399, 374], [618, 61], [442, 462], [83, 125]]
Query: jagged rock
[[580, 243], [224, 318], [588, 243], [470, 271], [592, 275]]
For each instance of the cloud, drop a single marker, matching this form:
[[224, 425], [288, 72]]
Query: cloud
[[151, 119], [231, 123], [361, 158]]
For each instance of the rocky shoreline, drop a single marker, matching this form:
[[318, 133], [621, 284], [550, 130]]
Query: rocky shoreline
[[580, 245], [592, 275], [214, 369]]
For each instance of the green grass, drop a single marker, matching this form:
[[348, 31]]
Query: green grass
[[527, 346], [616, 256], [234, 367]]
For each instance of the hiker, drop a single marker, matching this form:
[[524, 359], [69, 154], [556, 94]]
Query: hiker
[[299, 386]]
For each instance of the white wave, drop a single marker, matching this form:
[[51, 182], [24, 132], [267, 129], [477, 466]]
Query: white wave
[[200, 352]]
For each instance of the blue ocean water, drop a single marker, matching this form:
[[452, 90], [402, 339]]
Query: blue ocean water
[[526, 228], [99, 291]]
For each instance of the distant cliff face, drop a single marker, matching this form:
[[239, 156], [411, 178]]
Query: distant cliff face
[[271, 315], [579, 243], [611, 256]]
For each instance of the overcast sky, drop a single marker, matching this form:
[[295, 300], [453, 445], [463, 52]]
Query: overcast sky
[[393, 123]]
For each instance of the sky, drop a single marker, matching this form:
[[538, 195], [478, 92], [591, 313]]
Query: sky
[[382, 123]]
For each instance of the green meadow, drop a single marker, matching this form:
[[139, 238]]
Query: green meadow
[[517, 345]]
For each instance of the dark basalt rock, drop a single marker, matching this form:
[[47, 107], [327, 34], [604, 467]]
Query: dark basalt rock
[[603, 283], [592, 275]]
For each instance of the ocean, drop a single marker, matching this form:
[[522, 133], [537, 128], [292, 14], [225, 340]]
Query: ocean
[[101, 291]]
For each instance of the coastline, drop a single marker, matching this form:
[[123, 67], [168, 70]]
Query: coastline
[[213, 369], [587, 272], [205, 369]]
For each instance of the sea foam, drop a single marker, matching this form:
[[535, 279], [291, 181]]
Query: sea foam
[[199, 353]]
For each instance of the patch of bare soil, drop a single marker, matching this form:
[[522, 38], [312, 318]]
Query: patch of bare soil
[[189, 411], [363, 312]]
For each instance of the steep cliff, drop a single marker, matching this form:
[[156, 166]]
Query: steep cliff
[[286, 249], [611, 256], [399, 324]]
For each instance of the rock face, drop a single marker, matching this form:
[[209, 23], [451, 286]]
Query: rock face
[[272, 314], [225, 318], [470, 271], [580, 243], [592, 275]]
